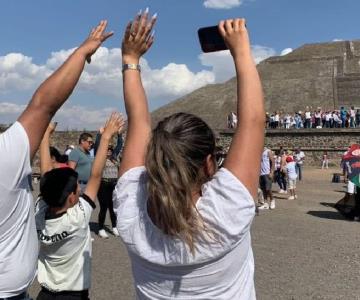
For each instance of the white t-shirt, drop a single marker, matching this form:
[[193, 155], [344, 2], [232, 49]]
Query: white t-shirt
[[307, 115], [265, 167], [291, 170], [299, 157], [164, 268], [18, 242], [65, 247]]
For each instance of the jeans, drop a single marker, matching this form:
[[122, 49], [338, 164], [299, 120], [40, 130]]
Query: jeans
[[280, 179], [105, 200], [298, 171], [352, 122], [343, 120]]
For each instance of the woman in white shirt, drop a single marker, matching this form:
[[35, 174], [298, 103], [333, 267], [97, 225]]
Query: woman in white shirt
[[186, 225]]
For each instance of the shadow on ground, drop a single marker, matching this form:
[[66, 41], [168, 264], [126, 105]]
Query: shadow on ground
[[328, 204], [332, 215]]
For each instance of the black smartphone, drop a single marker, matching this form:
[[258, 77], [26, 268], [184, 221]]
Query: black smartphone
[[211, 40]]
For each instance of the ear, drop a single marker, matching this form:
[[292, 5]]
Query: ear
[[72, 199], [210, 166]]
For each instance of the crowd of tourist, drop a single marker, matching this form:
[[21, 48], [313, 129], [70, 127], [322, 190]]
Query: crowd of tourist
[[319, 118], [282, 167], [184, 220]]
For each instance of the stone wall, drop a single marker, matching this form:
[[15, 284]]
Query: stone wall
[[312, 141]]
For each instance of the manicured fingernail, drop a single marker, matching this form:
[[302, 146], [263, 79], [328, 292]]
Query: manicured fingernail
[[140, 11], [152, 33], [154, 16], [146, 10]]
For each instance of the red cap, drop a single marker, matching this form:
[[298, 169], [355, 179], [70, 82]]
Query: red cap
[[289, 159]]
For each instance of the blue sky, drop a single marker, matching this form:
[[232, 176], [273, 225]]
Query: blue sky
[[36, 36]]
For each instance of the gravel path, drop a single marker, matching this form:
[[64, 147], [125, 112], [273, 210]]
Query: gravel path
[[303, 249]]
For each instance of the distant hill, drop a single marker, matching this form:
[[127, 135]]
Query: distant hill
[[325, 74]]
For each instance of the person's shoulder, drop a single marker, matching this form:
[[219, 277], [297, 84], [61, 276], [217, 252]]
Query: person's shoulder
[[226, 184], [15, 132], [74, 152], [81, 211], [133, 174], [86, 200]]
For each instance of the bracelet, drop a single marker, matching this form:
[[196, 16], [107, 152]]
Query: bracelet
[[131, 67]]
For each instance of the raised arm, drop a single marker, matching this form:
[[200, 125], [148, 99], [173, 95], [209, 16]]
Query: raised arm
[[244, 155], [97, 140], [45, 158], [112, 126], [137, 40], [54, 91], [119, 144]]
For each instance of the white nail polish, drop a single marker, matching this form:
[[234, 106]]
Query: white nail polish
[[147, 10], [152, 33], [140, 11], [154, 16]]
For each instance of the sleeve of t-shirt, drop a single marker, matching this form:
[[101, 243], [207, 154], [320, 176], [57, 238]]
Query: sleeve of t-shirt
[[14, 157], [87, 205], [227, 206], [74, 156], [128, 194]]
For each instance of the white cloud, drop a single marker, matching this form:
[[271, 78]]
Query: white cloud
[[68, 117], [17, 72], [260, 53], [11, 108], [222, 65], [222, 4], [103, 77], [338, 40], [286, 51]]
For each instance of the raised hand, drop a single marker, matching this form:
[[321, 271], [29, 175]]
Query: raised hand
[[51, 128], [236, 36], [138, 38], [113, 125], [96, 38]]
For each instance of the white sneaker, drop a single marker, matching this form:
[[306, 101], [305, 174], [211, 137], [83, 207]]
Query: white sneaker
[[272, 204], [285, 192], [103, 234], [281, 191], [291, 198], [115, 231], [264, 206], [295, 196]]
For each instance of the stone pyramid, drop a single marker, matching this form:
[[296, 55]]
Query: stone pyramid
[[323, 75]]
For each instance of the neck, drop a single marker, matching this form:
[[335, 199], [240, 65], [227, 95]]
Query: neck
[[83, 150], [57, 210]]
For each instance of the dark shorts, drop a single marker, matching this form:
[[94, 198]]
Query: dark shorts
[[265, 182], [65, 295]]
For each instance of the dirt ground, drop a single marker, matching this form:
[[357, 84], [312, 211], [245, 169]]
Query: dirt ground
[[303, 249]]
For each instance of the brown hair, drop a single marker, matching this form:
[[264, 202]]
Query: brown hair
[[175, 162]]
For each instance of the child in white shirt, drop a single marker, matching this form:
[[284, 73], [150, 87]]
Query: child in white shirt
[[62, 223], [291, 174]]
